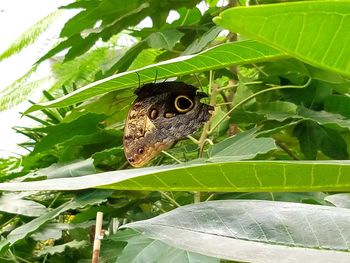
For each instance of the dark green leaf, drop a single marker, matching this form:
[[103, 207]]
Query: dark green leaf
[[62, 132]]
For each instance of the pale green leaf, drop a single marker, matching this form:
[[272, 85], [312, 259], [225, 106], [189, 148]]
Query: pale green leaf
[[253, 231], [339, 200], [15, 203], [143, 249]]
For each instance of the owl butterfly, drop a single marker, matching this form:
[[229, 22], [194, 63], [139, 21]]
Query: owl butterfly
[[162, 114]]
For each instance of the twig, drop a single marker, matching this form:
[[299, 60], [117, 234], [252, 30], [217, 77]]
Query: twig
[[172, 200], [253, 96], [287, 150], [98, 238], [172, 157], [197, 197]]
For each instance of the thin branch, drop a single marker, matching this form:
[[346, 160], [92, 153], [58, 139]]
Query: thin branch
[[172, 200], [98, 238], [287, 150], [253, 96]]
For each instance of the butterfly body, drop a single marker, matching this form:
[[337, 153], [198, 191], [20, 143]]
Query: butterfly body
[[162, 114]]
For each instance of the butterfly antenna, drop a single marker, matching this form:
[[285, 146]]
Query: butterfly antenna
[[139, 78], [199, 81], [155, 80]]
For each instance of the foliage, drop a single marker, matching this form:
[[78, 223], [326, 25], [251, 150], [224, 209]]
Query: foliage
[[279, 136]]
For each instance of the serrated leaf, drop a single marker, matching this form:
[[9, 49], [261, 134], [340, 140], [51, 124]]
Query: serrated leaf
[[252, 231]]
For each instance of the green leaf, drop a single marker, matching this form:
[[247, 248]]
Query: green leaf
[[143, 249], [316, 32], [246, 176], [112, 157], [242, 146], [91, 198], [164, 39], [217, 57], [54, 230], [338, 104], [312, 137], [77, 168], [61, 248], [62, 132], [15, 203], [99, 10], [232, 229], [327, 119], [124, 62], [277, 110], [203, 41]]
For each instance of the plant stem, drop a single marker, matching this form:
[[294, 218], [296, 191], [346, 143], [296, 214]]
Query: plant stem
[[172, 157], [98, 238], [172, 200], [287, 150], [203, 139], [197, 197], [253, 96]]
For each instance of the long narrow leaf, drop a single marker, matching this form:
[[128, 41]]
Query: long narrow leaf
[[217, 57], [248, 176]]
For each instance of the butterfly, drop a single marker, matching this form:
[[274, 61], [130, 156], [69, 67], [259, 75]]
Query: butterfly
[[162, 114]]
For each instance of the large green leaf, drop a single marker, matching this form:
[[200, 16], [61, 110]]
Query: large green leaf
[[316, 32], [278, 176], [253, 231], [143, 249], [217, 57]]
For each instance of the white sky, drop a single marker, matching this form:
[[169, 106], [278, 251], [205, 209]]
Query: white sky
[[16, 16]]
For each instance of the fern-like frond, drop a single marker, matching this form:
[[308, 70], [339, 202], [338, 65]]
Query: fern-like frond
[[81, 70], [30, 36], [19, 90]]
